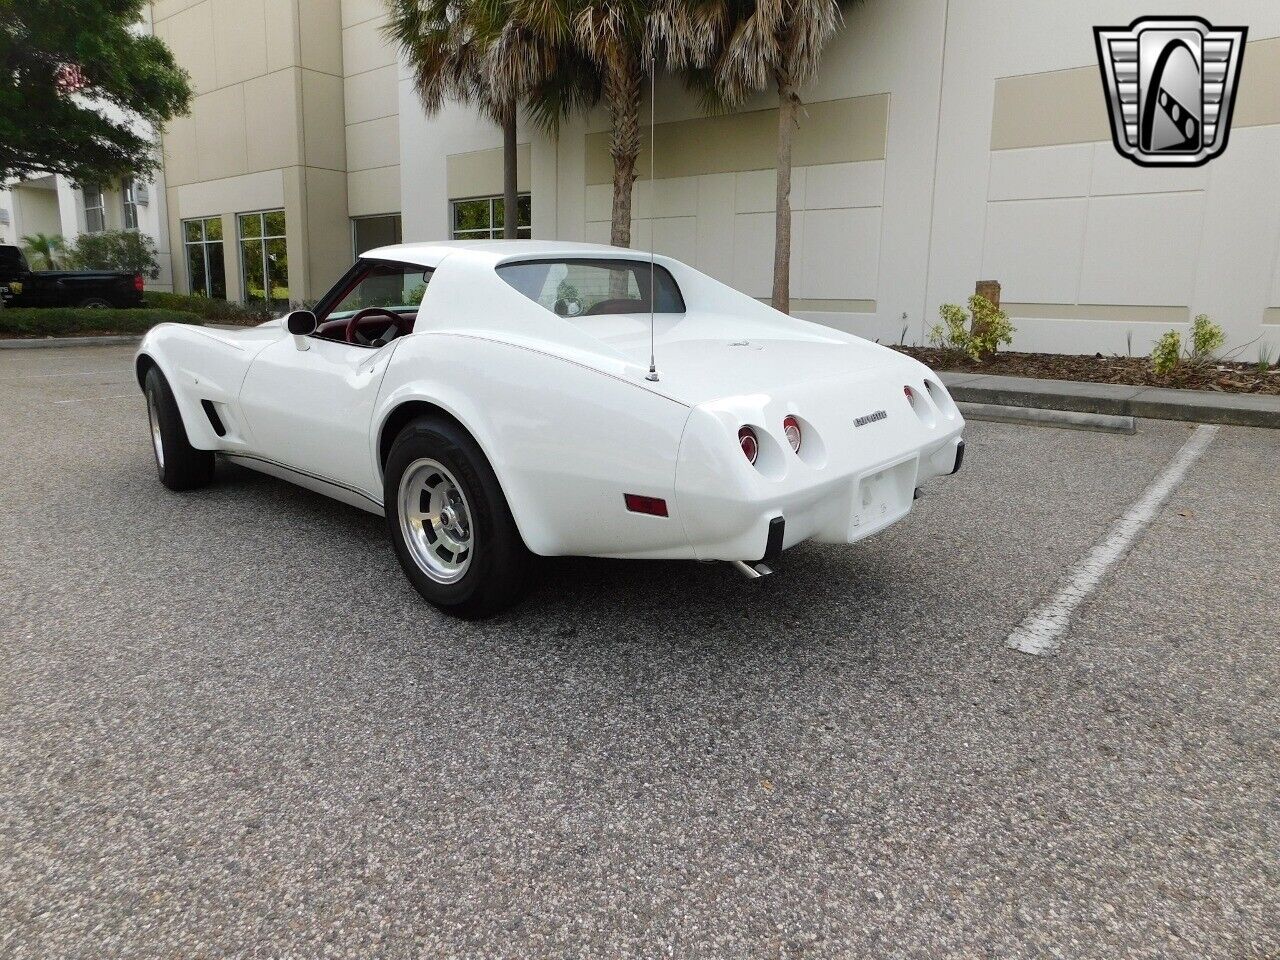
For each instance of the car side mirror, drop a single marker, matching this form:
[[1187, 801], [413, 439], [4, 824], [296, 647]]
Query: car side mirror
[[302, 324]]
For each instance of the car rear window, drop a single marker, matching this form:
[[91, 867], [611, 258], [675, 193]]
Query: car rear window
[[591, 287]]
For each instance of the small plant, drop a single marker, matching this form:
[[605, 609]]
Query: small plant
[[1167, 354], [1207, 339], [43, 250], [1266, 359], [978, 336]]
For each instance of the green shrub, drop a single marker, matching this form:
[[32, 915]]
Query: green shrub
[[1207, 339], [978, 337], [66, 322], [1167, 353], [129, 250], [215, 311]]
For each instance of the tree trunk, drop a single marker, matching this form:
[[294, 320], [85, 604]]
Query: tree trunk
[[622, 91], [788, 112], [510, 197]]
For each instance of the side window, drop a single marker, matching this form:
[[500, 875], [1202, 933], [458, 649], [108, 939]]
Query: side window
[[392, 286]]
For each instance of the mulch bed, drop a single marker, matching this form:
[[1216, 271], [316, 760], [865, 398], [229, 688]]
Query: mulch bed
[[1220, 377]]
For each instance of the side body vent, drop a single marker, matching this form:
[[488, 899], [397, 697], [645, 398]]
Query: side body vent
[[215, 421]]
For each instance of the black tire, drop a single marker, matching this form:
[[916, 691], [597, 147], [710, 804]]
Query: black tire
[[94, 303], [179, 465], [497, 573]]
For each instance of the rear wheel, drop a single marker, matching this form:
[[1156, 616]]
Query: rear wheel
[[449, 520], [179, 465]]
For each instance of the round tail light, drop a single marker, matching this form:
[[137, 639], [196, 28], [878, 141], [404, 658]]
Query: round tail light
[[910, 395], [750, 445], [791, 428]]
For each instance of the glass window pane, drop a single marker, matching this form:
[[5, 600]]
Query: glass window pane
[[191, 231], [524, 233], [498, 213], [278, 265], [195, 270], [255, 284], [385, 285], [471, 215], [526, 211], [217, 272], [93, 220], [574, 288], [275, 223], [213, 228], [250, 225]]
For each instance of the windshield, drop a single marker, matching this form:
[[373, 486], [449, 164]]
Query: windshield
[[584, 287]]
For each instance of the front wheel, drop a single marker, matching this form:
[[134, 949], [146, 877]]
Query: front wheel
[[449, 520], [179, 465]]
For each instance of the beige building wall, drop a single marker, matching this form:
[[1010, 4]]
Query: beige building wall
[[372, 111], [266, 130]]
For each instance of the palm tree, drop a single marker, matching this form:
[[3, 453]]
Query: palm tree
[[42, 247], [613, 34], [482, 52], [736, 47]]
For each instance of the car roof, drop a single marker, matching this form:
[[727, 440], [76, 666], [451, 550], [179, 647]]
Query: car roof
[[431, 253]]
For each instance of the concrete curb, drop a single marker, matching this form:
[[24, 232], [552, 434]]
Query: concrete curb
[[40, 343], [1120, 400], [1064, 419]]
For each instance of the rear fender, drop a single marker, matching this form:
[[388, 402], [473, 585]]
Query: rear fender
[[566, 441]]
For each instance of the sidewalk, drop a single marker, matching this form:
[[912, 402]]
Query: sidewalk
[[1199, 406]]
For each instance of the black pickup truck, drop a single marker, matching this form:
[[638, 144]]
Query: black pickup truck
[[20, 286]]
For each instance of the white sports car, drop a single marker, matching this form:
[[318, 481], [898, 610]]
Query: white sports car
[[496, 400]]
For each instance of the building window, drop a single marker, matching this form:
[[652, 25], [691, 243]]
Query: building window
[[206, 269], [95, 220], [129, 191], [481, 218], [264, 259], [368, 233]]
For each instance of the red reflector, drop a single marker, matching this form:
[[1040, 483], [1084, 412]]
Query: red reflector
[[653, 506], [138, 283]]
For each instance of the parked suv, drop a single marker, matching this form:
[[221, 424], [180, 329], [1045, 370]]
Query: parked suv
[[20, 286]]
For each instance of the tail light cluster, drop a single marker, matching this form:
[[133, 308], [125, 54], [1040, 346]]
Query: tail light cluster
[[138, 282], [750, 443]]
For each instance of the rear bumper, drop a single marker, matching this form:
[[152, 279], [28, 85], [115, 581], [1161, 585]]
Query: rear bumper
[[846, 510], [855, 483]]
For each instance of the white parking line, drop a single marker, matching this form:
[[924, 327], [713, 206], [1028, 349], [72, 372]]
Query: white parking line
[[114, 396], [1041, 632]]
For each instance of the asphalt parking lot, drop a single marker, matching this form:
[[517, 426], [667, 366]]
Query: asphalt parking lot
[[228, 726]]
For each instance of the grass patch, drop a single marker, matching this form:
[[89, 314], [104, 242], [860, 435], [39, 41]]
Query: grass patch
[[66, 322], [213, 311]]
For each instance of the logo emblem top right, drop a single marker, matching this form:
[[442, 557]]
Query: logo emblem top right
[[1171, 86]]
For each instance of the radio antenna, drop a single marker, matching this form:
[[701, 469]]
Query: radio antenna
[[653, 209]]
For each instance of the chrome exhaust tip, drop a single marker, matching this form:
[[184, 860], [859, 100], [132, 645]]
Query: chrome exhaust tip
[[752, 571]]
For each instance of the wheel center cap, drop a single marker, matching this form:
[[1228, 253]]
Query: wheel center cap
[[447, 517]]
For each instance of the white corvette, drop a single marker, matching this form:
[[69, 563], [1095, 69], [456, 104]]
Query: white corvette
[[495, 400]]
